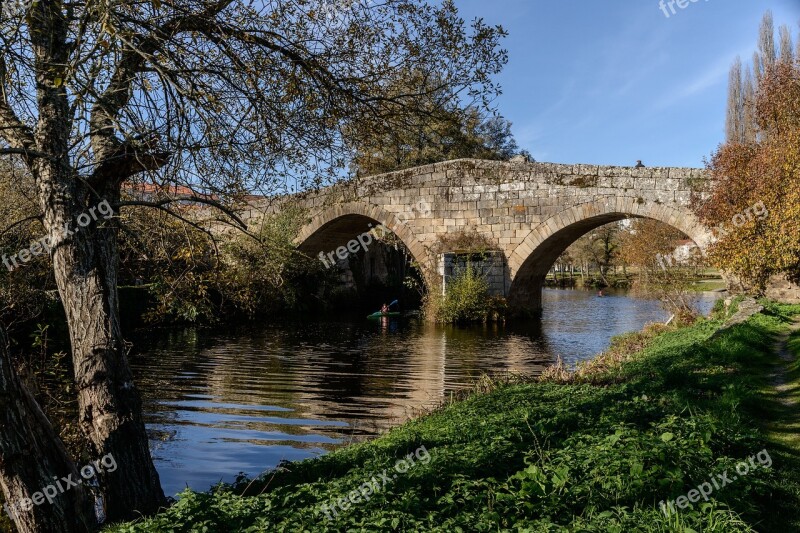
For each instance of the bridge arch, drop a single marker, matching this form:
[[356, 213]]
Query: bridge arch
[[531, 260], [337, 225]]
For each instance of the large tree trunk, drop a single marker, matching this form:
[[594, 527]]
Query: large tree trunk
[[33, 463], [85, 265]]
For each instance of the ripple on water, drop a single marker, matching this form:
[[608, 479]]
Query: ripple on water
[[223, 402]]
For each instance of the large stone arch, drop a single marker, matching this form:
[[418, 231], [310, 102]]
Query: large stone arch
[[532, 258], [337, 225]]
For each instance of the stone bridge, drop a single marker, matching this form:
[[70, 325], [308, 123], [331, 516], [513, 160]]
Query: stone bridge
[[530, 212]]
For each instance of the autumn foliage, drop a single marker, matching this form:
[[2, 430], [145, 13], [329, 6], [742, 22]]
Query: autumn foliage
[[768, 171], [649, 246]]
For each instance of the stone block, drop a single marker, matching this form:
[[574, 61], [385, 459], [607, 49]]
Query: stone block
[[680, 173], [683, 197], [586, 170], [614, 172], [510, 195], [664, 196], [605, 181], [660, 172], [531, 202], [623, 182]]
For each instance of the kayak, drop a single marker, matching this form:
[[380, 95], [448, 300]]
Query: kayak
[[383, 315]]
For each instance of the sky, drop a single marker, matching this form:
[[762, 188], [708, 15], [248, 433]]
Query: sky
[[616, 81]]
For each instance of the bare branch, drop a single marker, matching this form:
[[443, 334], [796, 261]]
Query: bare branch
[[20, 222], [196, 199]]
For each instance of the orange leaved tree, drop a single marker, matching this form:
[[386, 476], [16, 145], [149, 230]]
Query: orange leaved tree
[[762, 177]]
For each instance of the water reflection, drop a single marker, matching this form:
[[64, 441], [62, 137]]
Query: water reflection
[[219, 403]]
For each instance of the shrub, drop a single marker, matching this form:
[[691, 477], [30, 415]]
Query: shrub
[[467, 299]]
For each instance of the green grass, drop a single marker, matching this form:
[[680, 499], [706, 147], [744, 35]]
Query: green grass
[[549, 457]]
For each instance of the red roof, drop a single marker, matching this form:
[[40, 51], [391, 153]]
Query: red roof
[[179, 191]]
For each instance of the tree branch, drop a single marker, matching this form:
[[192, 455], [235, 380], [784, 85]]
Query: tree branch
[[197, 199], [103, 121], [15, 133], [20, 222]]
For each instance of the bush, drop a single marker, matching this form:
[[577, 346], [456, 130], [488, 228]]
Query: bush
[[467, 300], [197, 280]]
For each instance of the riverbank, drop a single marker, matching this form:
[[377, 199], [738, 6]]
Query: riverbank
[[665, 413]]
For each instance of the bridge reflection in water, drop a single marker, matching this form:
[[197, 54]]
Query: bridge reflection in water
[[242, 401]]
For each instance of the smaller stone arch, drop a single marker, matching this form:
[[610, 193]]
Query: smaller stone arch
[[344, 222], [531, 260]]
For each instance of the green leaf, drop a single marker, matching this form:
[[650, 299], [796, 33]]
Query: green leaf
[[666, 437]]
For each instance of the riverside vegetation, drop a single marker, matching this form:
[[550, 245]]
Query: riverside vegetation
[[590, 450]]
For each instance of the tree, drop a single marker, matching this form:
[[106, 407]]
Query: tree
[[33, 436], [649, 246], [598, 247], [741, 123], [734, 125], [22, 290], [754, 205], [447, 130], [220, 96], [497, 139], [749, 129], [785, 39], [766, 45]]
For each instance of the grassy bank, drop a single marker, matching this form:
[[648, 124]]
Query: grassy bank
[[662, 413]]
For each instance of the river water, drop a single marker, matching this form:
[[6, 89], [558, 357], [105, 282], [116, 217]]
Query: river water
[[241, 400]]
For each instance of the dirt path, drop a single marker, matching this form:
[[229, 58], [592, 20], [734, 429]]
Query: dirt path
[[779, 376]]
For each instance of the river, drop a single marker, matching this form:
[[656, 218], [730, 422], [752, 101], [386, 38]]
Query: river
[[244, 399]]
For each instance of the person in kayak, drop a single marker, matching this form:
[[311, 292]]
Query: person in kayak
[[385, 309]]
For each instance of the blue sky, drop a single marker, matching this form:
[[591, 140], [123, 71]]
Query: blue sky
[[615, 81]]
